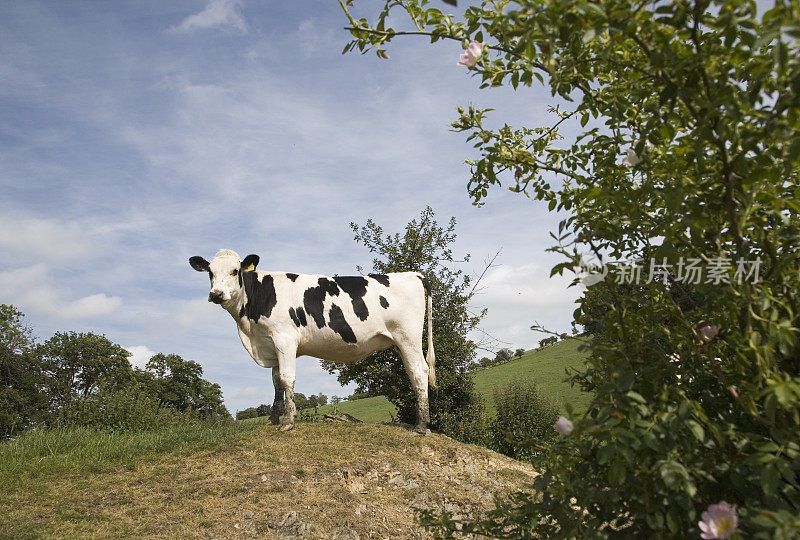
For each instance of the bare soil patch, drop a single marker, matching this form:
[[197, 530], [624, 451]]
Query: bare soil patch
[[320, 480]]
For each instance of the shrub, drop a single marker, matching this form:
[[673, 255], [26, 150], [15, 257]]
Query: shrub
[[524, 420], [683, 152], [130, 408]]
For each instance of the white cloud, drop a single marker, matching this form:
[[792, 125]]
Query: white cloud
[[43, 240], [518, 296], [140, 354], [32, 290], [251, 392], [217, 13]]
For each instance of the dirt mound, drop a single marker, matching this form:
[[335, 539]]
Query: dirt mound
[[320, 480]]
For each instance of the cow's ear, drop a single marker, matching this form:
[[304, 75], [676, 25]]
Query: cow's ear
[[199, 264], [249, 263]]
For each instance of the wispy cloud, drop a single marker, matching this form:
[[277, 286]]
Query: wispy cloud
[[509, 293], [44, 240], [216, 14], [36, 291]]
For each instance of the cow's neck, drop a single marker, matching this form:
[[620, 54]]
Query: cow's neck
[[234, 307]]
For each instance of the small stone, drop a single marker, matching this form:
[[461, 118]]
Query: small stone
[[288, 519], [263, 477]]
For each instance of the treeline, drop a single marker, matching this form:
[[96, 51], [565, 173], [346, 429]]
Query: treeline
[[85, 379], [300, 401], [501, 357]]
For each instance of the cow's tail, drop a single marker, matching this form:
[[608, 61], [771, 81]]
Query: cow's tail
[[430, 357]]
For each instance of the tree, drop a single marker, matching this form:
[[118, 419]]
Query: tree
[[518, 353], [503, 355], [424, 247], [76, 364], [264, 410], [178, 384], [22, 401], [244, 414], [547, 341], [687, 114]]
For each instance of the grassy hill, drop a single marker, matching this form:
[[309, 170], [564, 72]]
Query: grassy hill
[[243, 480], [546, 366]]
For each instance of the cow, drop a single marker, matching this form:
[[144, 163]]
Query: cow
[[343, 319]]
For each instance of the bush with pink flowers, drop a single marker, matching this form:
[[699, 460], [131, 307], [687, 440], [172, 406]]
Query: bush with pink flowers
[[687, 115]]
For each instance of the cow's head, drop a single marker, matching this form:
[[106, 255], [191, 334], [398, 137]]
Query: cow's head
[[225, 271]]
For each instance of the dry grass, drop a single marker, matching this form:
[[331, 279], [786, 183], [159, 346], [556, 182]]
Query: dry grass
[[320, 480]]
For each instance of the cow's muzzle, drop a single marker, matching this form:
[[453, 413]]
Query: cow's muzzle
[[215, 296]]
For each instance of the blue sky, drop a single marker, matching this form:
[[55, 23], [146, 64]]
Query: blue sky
[[138, 134]]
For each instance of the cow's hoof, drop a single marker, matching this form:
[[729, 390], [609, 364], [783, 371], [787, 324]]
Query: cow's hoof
[[286, 427]]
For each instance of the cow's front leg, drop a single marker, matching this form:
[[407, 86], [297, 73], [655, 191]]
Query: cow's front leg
[[286, 365], [278, 403]]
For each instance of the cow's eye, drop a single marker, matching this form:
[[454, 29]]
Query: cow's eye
[[235, 272]]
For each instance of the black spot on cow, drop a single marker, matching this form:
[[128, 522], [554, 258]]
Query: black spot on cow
[[426, 284], [298, 316], [261, 296], [314, 297], [291, 276], [339, 325], [301, 316], [383, 279], [356, 287], [384, 302]]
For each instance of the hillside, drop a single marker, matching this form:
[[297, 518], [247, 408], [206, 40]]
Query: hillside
[[546, 366], [320, 480]]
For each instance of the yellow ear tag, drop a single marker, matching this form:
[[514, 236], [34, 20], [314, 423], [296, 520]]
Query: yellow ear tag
[[250, 268]]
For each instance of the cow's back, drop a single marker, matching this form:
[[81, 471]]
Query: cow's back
[[345, 318]]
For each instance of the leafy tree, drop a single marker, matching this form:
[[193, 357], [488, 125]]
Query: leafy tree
[[547, 341], [76, 364], [178, 384], [424, 246], [22, 401], [518, 353], [264, 410], [687, 114], [250, 412], [503, 355]]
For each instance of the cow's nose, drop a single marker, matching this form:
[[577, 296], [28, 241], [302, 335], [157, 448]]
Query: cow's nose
[[215, 296]]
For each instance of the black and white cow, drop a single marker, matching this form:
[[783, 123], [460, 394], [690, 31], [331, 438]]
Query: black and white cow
[[281, 315]]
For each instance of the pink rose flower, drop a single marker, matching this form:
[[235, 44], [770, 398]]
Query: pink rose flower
[[719, 521], [631, 159], [563, 426], [471, 55], [708, 332]]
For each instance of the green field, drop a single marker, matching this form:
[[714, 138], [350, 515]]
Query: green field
[[546, 366]]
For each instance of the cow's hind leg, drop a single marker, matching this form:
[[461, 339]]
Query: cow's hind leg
[[417, 370], [278, 403]]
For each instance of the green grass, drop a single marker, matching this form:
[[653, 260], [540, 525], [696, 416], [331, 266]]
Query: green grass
[[58, 451], [546, 366], [373, 409]]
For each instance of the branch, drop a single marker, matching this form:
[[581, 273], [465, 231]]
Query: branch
[[489, 265]]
